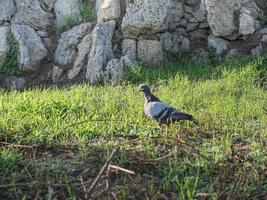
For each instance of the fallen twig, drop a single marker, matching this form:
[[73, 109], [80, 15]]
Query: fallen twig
[[163, 157], [121, 169], [105, 166]]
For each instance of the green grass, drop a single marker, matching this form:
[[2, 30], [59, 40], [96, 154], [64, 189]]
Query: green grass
[[57, 135]]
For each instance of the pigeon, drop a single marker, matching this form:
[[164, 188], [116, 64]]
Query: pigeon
[[163, 113]]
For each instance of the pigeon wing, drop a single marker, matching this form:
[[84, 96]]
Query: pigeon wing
[[162, 112]]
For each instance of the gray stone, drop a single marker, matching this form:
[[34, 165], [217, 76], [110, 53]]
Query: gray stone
[[180, 31], [97, 5], [174, 15], [67, 10], [109, 9], [29, 12], [223, 17], [56, 74], [7, 10], [264, 38], [192, 26], [81, 60], [42, 34], [197, 13], [246, 23], [129, 48], [4, 45], [198, 34], [263, 31], [219, 44], [257, 51], [31, 48], [101, 50], [66, 51], [145, 16], [233, 53], [150, 52], [115, 69], [174, 43]]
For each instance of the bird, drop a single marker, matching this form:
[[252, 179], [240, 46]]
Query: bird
[[163, 113]]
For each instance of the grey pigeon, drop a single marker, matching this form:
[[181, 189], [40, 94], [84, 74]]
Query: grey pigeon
[[160, 111]]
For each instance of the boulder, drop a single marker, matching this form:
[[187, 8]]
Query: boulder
[[145, 17], [67, 11], [7, 10], [4, 45], [31, 48], [109, 9], [174, 43], [81, 60], [219, 44], [66, 51], [150, 52], [29, 12], [129, 48], [101, 50], [115, 69], [232, 18]]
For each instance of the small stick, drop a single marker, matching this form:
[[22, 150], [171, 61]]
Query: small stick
[[122, 169], [105, 166], [163, 157]]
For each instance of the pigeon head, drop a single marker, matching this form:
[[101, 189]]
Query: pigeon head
[[145, 89]]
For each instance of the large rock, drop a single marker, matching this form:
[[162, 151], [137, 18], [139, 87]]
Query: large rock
[[129, 48], [31, 48], [4, 45], [66, 51], [109, 9], [150, 52], [81, 60], [115, 69], [29, 12], [231, 19], [101, 50], [66, 11], [7, 10], [145, 16], [174, 43]]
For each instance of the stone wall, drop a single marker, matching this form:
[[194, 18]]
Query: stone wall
[[62, 40]]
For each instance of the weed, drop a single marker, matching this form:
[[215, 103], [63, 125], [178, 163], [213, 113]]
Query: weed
[[87, 13], [10, 65]]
